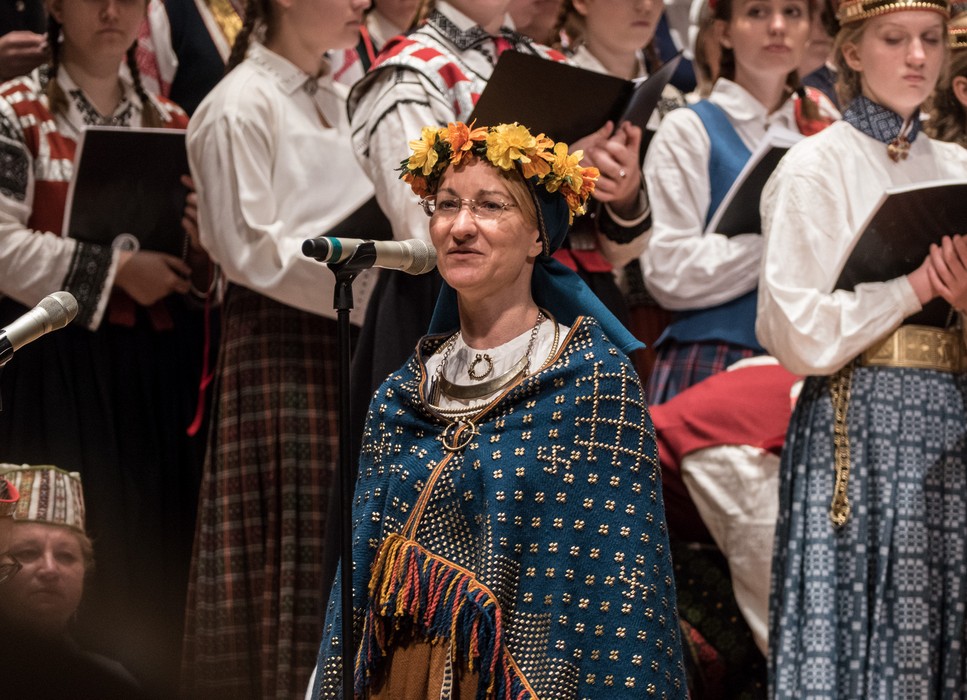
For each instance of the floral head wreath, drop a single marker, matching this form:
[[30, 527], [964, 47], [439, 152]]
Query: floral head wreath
[[538, 159]]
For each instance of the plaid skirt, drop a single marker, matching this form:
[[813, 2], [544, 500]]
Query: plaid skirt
[[680, 365], [256, 603], [874, 609]]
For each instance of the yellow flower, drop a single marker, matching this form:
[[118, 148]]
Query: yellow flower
[[424, 151], [509, 142], [565, 165]]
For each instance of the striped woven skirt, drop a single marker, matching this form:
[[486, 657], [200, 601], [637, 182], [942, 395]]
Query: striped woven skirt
[[875, 609], [680, 365], [256, 593]]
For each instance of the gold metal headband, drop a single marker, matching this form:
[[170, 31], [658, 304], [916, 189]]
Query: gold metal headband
[[957, 31], [855, 10]]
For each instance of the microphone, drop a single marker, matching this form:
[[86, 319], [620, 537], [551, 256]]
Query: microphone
[[413, 256], [53, 312]]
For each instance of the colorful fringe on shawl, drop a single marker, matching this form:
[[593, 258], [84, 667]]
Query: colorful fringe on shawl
[[444, 602]]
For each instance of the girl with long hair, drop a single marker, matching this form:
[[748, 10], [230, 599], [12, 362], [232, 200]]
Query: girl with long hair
[[270, 153], [707, 279]]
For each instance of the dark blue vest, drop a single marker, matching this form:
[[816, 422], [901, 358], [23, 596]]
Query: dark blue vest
[[733, 321]]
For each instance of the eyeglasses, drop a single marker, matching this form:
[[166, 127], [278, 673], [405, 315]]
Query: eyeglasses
[[449, 207], [9, 567]]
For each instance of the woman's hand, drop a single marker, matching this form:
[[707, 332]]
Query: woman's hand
[[947, 271], [617, 159], [148, 276], [21, 52]]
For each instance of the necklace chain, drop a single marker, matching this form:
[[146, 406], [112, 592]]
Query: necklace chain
[[461, 391]]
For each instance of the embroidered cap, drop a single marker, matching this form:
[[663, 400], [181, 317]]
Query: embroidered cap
[[8, 498], [856, 10], [47, 495], [957, 29]]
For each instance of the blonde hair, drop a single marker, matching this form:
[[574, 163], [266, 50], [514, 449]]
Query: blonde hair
[[948, 117]]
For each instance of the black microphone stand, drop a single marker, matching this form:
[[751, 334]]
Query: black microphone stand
[[346, 272]]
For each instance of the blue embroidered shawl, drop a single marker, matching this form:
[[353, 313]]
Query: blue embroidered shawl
[[536, 547]]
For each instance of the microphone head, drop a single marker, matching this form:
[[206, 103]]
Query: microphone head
[[61, 308], [424, 257]]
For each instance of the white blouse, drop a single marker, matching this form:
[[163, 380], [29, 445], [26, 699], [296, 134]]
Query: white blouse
[[270, 174], [36, 263], [813, 208], [683, 267]]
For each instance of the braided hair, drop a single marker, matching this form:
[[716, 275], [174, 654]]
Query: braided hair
[[57, 100], [55, 94], [150, 116], [258, 15], [948, 118]]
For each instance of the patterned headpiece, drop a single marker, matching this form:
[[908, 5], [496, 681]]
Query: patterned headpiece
[[957, 29], [856, 10], [545, 165], [47, 495], [8, 498]]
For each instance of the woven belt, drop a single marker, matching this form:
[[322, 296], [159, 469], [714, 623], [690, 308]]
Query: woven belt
[[920, 347]]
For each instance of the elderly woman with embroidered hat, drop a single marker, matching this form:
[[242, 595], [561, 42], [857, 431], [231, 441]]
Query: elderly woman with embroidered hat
[[509, 534], [48, 536], [870, 571], [53, 554]]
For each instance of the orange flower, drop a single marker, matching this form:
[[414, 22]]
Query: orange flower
[[462, 139]]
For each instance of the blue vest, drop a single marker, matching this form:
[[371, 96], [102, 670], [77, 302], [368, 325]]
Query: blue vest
[[733, 321]]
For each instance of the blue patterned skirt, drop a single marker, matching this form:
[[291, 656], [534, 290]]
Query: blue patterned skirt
[[875, 609]]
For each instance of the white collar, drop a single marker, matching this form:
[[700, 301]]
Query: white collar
[[289, 76], [743, 107], [464, 23]]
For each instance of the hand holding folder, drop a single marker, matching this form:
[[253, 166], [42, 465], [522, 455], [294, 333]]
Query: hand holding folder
[[527, 89], [897, 235]]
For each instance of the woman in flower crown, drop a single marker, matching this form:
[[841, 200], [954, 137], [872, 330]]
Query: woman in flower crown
[[948, 111], [868, 582], [434, 75], [509, 530]]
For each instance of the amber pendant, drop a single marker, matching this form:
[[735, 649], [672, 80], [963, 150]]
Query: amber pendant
[[898, 149]]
